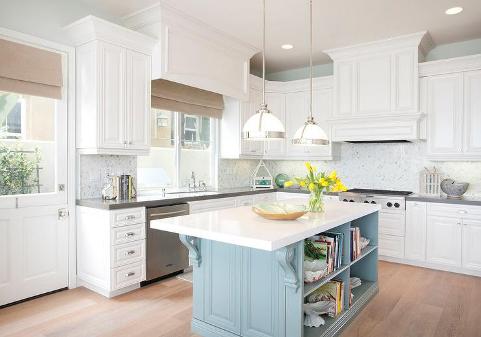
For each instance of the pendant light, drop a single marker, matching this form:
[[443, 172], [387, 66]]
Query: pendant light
[[263, 125], [310, 133]]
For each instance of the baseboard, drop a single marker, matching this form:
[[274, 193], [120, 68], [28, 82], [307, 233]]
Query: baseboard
[[206, 330], [106, 292], [429, 265]]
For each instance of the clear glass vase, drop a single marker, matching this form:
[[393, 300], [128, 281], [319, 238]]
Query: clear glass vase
[[316, 202]]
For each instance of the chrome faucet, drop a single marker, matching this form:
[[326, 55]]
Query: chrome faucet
[[192, 185]]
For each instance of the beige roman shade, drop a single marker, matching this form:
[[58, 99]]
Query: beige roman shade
[[167, 95], [31, 71]]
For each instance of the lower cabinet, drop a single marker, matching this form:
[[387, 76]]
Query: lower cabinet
[[443, 244], [471, 239], [415, 238]]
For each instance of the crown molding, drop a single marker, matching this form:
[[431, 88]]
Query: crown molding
[[452, 65]]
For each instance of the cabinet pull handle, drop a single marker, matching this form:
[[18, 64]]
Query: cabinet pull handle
[[130, 252], [130, 142], [130, 274], [129, 234], [130, 217], [462, 211]]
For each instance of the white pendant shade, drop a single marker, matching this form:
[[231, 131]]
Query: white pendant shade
[[310, 134], [263, 126]]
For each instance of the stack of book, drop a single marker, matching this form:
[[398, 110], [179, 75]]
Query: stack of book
[[332, 291], [355, 243], [327, 247]]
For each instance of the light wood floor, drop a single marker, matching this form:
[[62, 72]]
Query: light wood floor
[[412, 302]]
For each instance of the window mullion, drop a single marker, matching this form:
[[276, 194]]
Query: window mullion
[[178, 124]]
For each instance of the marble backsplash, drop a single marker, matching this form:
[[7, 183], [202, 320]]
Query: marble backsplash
[[94, 170], [380, 166]]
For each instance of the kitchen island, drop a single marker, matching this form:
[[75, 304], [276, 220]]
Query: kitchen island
[[248, 271]]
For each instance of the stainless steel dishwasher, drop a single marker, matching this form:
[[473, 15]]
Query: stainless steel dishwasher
[[165, 253]]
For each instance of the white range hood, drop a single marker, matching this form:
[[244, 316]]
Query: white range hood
[[376, 90]]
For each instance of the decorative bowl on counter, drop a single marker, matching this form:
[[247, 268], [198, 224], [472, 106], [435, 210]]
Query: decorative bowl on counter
[[453, 189], [279, 210]]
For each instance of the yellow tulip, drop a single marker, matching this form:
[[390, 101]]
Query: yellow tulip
[[333, 175], [308, 166], [302, 183], [288, 183], [312, 187], [324, 182]]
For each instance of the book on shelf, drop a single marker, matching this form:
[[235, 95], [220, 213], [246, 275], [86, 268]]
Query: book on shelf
[[326, 247], [332, 291], [355, 243]]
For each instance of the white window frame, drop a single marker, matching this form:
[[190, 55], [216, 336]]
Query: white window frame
[[23, 120]]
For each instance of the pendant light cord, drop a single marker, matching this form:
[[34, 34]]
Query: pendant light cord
[[310, 58], [264, 52]]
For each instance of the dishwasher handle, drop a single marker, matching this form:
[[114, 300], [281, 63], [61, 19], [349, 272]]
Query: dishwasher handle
[[162, 215]]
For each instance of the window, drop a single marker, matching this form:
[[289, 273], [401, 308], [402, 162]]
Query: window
[[27, 144], [181, 144]]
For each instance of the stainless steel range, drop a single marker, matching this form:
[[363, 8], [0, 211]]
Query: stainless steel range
[[392, 217]]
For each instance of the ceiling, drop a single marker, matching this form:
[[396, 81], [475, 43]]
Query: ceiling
[[336, 23]]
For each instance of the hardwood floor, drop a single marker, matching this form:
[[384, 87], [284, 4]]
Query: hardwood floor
[[412, 302]]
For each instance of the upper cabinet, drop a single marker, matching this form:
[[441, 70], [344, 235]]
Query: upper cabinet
[[376, 90], [113, 67], [289, 101], [190, 52], [453, 105]]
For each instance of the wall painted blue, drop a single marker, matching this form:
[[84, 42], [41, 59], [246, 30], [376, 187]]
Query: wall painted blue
[[444, 51]]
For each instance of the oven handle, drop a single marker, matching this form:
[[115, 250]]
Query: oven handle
[[165, 214]]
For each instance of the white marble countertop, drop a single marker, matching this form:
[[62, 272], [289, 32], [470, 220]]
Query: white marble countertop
[[241, 226]]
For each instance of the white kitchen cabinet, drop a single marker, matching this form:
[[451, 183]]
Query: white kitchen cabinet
[[471, 251], [472, 113], [113, 88], [443, 240], [445, 114], [376, 90], [415, 238], [391, 246], [111, 252], [211, 205]]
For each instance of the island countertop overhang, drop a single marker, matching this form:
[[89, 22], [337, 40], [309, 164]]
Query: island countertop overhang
[[241, 226]]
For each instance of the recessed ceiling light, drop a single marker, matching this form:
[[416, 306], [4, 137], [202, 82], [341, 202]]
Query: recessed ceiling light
[[454, 10], [287, 46]]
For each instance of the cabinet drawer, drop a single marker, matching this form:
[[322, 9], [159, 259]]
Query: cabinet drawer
[[454, 211], [125, 234], [125, 276], [127, 253], [128, 216], [390, 245], [392, 223]]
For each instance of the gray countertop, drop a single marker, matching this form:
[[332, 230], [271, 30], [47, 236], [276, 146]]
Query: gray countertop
[[442, 199], [155, 200]]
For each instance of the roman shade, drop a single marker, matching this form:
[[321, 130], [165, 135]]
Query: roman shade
[[172, 96], [31, 71]]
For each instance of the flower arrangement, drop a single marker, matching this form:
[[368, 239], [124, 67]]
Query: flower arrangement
[[318, 183]]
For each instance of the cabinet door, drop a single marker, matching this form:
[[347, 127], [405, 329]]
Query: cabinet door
[[222, 290], [276, 103], [445, 108], [138, 100], [251, 147], [405, 90], [415, 243], [472, 112], [471, 244], [443, 240], [297, 109], [344, 86], [112, 97]]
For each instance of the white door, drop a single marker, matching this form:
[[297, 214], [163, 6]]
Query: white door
[[250, 147], [471, 244], [276, 103], [415, 243], [443, 240], [138, 100], [112, 83], [472, 112], [445, 110], [33, 189]]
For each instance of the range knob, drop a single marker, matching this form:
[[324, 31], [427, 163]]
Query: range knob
[[351, 200], [366, 202], [345, 200], [373, 202], [389, 204], [396, 205]]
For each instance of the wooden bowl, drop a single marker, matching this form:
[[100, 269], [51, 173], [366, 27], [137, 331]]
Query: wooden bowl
[[279, 210]]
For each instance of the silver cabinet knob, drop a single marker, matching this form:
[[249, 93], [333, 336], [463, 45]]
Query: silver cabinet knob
[[129, 274], [130, 252], [129, 234]]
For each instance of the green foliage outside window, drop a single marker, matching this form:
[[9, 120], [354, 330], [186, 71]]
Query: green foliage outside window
[[18, 170]]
